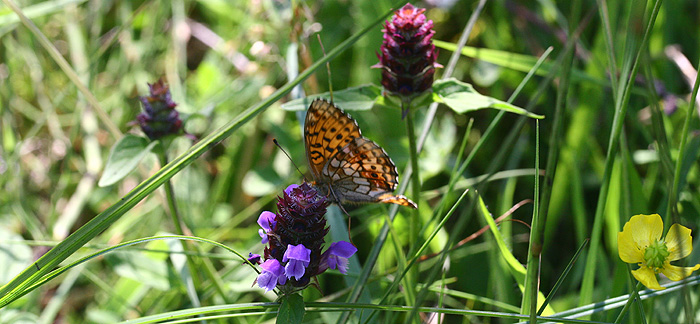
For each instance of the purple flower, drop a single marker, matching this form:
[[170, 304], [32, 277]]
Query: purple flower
[[272, 274], [159, 117], [291, 187], [267, 222], [407, 55], [297, 258], [254, 258], [336, 257]]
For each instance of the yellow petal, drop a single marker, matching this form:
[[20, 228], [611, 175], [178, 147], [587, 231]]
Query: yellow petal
[[679, 242], [627, 249], [647, 277], [644, 229], [678, 273]]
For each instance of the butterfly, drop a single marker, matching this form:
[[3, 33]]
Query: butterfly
[[346, 166]]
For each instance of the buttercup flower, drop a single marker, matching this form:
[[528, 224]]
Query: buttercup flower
[[295, 238], [407, 57], [640, 242], [159, 117]]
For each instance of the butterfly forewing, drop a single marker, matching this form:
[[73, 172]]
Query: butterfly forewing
[[346, 166], [326, 130]]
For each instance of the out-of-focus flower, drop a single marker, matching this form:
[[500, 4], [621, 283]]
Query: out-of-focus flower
[[159, 117], [336, 257], [640, 242], [295, 237], [407, 57]]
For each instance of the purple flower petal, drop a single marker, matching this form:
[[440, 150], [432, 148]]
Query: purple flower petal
[[291, 187], [264, 237], [297, 258], [336, 257], [272, 270], [342, 249], [267, 220], [297, 252], [254, 258]]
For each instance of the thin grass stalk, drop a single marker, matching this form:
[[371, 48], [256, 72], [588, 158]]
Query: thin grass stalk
[[630, 300], [10, 291], [561, 279], [586, 294], [532, 276]]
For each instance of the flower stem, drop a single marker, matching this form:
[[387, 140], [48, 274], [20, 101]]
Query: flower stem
[[415, 221], [169, 193], [634, 295]]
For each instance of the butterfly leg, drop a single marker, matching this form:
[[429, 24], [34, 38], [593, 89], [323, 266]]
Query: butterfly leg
[[330, 189]]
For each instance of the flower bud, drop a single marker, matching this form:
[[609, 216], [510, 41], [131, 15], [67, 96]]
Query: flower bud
[[159, 117]]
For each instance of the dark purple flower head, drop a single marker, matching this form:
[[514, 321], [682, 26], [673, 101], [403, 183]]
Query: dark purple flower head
[[295, 236], [159, 117], [407, 55]]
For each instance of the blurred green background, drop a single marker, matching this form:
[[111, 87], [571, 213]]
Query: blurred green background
[[221, 57]]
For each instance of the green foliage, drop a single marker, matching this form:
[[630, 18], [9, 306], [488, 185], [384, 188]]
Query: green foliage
[[124, 157], [291, 309], [619, 139]]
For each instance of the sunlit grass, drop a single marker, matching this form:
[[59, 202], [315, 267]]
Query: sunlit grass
[[619, 138]]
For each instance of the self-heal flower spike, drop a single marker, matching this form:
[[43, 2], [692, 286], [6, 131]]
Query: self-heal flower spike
[[159, 117], [407, 57], [640, 242], [295, 236]]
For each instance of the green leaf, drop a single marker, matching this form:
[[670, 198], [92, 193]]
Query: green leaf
[[356, 98], [462, 97], [291, 310], [124, 158], [515, 61]]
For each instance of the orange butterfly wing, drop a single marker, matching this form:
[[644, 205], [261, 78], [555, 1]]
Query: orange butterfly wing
[[346, 166]]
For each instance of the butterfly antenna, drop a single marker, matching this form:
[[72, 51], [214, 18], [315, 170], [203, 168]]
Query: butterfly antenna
[[328, 68], [289, 157]]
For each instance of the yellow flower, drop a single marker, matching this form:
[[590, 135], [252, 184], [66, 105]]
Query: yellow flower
[[640, 242]]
